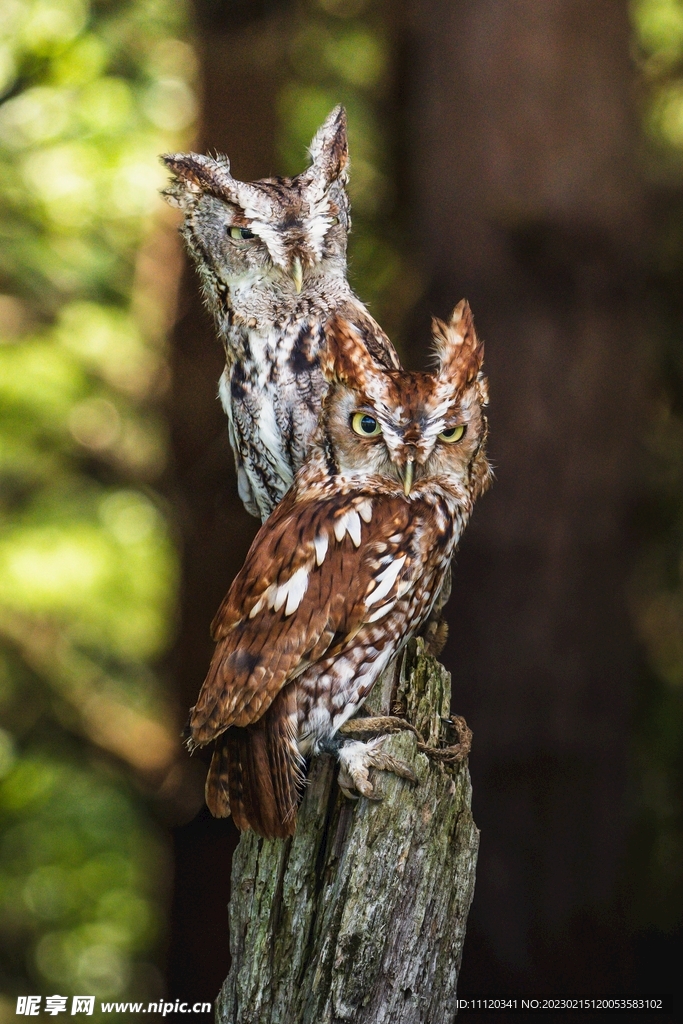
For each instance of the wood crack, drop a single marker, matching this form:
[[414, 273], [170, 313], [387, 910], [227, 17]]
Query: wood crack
[[361, 916]]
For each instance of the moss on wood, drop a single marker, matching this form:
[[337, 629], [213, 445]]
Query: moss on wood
[[361, 915]]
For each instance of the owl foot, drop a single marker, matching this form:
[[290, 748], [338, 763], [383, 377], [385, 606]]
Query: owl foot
[[355, 761], [449, 754], [456, 752], [381, 723], [435, 637]]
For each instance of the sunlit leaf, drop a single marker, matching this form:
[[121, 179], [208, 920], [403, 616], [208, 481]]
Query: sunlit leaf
[[88, 571]]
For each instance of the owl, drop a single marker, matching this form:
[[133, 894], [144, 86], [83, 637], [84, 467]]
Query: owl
[[343, 573], [271, 256]]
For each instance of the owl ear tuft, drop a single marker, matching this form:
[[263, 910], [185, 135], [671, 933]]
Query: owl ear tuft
[[330, 148], [195, 175], [458, 348], [345, 357]]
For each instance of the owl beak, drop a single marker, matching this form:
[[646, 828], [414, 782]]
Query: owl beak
[[408, 473], [297, 274]]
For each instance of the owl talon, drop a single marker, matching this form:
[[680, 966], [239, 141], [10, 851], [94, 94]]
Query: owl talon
[[380, 723], [435, 637], [355, 761]]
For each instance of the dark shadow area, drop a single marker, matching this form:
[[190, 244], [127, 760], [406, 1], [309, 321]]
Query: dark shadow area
[[199, 954]]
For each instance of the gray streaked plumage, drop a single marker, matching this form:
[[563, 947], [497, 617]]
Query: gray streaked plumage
[[271, 256]]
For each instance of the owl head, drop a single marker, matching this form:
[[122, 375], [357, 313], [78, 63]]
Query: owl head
[[290, 229], [411, 427]]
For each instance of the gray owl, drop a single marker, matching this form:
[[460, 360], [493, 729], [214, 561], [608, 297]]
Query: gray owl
[[271, 256]]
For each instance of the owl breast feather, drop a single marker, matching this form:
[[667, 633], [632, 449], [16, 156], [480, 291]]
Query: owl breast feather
[[272, 393]]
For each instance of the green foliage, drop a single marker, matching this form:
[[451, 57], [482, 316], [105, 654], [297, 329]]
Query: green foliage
[[80, 879], [91, 93], [657, 591]]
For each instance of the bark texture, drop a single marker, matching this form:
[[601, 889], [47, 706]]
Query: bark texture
[[361, 915]]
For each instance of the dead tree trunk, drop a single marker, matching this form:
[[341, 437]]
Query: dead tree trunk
[[361, 915]]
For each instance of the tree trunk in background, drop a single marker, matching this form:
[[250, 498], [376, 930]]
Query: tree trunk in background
[[241, 68], [525, 196]]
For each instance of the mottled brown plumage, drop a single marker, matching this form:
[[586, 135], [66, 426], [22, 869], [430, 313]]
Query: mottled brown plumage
[[346, 569]]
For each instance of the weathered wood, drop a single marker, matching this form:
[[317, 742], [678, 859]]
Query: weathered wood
[[361, 915]]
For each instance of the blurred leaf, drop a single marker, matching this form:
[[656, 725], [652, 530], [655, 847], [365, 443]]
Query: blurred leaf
[[93, 92], [657, 589]]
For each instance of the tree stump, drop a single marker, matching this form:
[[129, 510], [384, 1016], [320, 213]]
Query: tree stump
[[361, 915]]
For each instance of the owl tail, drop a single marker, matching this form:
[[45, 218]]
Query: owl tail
[[256, 773]]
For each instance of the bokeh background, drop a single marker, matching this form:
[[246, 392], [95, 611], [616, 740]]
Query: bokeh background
[[527, 155]]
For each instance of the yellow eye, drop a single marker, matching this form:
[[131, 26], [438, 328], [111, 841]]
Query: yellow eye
[[366, 426], [240, 234], [453, 434]]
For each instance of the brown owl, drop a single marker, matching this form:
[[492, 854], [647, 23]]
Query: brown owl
[[343, 573], [271, 256]]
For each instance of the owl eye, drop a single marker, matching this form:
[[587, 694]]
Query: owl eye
[[453, 434], [366, 426], [240, 234]]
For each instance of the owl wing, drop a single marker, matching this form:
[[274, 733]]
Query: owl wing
[[317, 572]]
